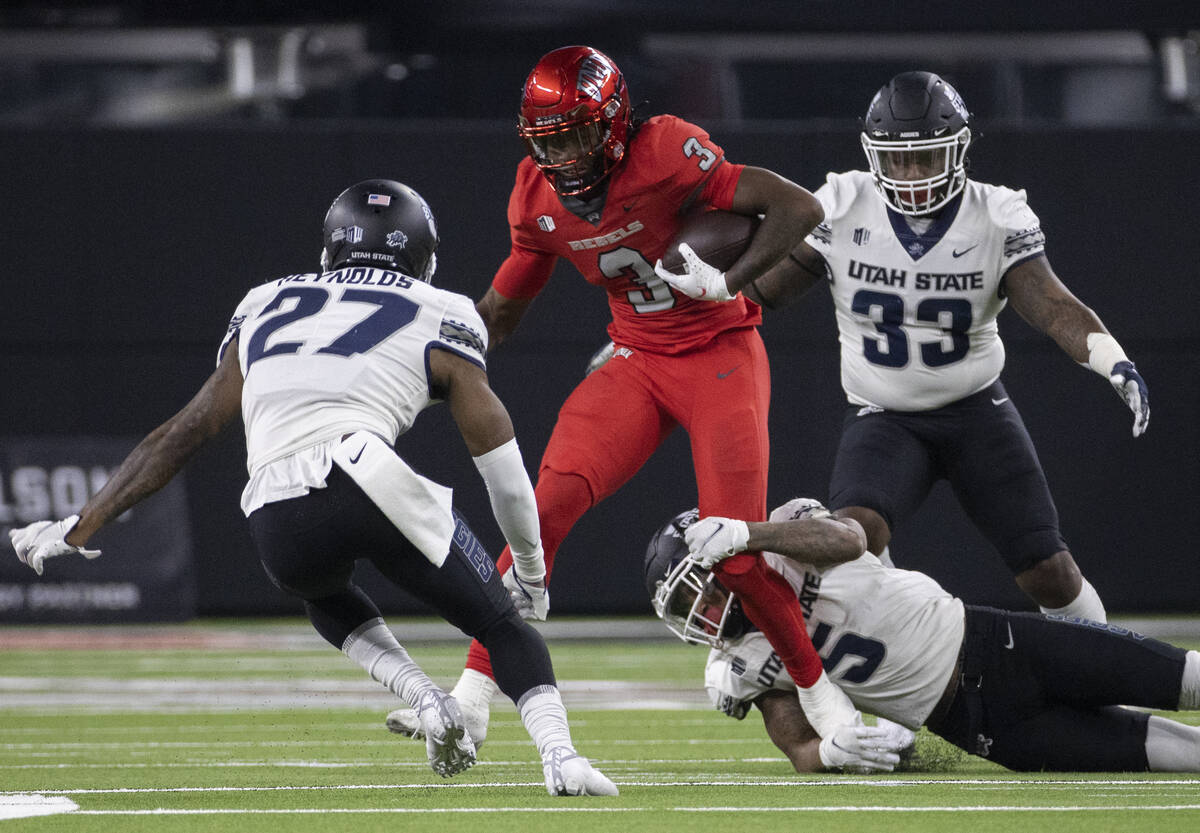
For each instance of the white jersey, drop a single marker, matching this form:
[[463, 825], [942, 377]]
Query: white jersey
[[888, 637], [324, 355], [917, 313]]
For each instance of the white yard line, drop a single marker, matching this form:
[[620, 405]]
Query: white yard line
[[782, 782]]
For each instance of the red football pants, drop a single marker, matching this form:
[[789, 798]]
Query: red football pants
[[615, 419]]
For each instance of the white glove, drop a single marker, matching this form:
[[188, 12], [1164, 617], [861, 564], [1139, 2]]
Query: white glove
[[799, 508], [826, 706], [46, 539], [531, 598], [715, 539], [899, 737], [699, 280], [859, 748]]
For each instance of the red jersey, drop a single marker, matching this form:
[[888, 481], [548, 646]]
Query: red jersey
[[669, 161]]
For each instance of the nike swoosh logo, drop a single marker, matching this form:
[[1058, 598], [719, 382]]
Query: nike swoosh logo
[[728, 372], [957, 253], [1010, 636], [355, 458], [999, 401], [720, 526]]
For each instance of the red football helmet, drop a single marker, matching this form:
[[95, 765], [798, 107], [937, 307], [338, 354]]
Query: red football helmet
[[575, 117]]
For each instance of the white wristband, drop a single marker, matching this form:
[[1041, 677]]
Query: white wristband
[[825, 705], [511, 493], [1103, 353]]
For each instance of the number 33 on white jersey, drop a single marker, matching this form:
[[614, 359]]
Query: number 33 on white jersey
[[917, 312]]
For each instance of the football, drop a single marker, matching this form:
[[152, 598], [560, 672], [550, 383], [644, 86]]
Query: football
[[718, 237]]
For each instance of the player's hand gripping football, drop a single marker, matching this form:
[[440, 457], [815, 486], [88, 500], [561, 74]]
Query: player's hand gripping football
[[531, 598], [1131, 387], [46, 539], [699, 279], [714, 539], [857, 747]]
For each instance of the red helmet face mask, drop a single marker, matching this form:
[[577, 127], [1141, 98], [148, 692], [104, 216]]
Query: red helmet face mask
[[575, 118]]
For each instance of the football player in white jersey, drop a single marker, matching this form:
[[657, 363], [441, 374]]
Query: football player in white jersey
[[920, 260], [1025, 690], [328, 369]]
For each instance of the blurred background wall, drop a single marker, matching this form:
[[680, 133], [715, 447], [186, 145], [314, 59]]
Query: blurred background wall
[[158, 163]]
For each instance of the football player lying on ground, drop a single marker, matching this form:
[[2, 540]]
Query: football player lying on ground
[[326, 377], [1025, 690]]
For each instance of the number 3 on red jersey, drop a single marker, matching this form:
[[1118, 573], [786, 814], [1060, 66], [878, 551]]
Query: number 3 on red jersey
[[653, 294]]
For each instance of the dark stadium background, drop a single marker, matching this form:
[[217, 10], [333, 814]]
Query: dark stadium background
[[158, 163]]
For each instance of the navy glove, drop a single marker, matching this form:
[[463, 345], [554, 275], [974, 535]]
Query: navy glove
[[1131, 387]]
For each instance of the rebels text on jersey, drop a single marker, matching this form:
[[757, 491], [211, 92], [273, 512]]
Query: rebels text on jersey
[[916, 312], [669, 163]]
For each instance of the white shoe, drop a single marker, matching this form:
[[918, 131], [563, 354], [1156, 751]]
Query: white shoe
[[473, 691], [567, 773], [405, 722], [447, 741]]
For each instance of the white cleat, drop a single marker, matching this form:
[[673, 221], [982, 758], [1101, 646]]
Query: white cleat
[[474, 695], [568, 773], [447, 741], [406, 722]]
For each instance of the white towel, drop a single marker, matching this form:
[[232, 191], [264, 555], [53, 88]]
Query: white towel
[[417, 506]]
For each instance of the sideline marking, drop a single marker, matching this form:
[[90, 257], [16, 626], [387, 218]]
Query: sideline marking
[[27, 805]]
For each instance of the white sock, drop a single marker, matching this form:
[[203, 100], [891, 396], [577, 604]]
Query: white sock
[[885, 557], [374, 647], [1087, 605], [545, 719], [1171, 746], [1189, 689], [475, 690]]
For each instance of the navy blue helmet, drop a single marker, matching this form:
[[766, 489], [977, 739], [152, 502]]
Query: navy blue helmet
[[383, 223], [915, 135]]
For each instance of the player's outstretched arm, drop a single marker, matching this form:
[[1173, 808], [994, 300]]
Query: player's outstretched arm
[[161, 455], [1038, 295], [821, 542], [501, 315], [788, 213], [487, 430], [789, 730], [148, 468], [479, 414], [854, 746]]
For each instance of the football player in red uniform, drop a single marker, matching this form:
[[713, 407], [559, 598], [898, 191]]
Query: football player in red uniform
[[608, 193]]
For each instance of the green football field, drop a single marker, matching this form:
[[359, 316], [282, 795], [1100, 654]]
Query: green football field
[[263, 727]]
